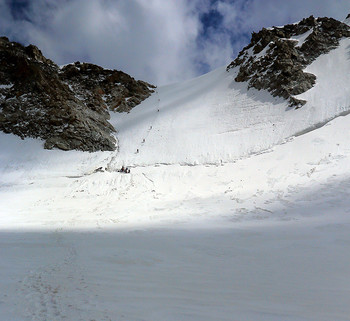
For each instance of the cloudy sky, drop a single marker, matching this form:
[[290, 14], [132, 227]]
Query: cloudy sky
[[160, 41]]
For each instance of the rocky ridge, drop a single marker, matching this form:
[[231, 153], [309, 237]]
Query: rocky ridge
[[276, 57], [67, 107]]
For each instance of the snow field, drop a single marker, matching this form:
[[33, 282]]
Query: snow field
[[294, 272], [161, 194], [213, 119], [225, 215]]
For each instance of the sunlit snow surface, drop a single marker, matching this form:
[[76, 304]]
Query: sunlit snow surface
[[225, 215]]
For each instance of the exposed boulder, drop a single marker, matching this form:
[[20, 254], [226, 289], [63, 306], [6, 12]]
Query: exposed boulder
[[67, 107], [276, 57]]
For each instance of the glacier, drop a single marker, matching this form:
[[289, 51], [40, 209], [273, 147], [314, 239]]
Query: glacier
[[236, 208]]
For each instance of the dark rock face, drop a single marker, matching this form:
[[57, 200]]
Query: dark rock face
[[274, 61], [96, 86], [68, 107]]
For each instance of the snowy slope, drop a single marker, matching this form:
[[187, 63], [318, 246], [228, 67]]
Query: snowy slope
[[264, 238], [207, 121], [213, 119], [151, 195], [257, 230]]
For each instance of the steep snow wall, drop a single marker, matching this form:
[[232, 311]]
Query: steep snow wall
[[213, 119]]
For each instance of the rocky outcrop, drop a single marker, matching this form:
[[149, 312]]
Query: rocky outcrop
[[96, 86], [276, 58], [66, 107]]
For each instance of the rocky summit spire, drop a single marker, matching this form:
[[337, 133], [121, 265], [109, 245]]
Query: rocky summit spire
[[276, 57]]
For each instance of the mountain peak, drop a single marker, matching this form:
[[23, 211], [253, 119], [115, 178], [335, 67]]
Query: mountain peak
[[276, 57], [347, 20], [67, 107]]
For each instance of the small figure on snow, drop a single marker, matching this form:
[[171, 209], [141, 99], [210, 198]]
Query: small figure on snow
[[124, 170]]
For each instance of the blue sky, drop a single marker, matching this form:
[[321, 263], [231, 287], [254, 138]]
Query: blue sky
[[160, 41]]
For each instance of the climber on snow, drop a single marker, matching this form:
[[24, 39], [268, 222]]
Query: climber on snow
[[124, 170]]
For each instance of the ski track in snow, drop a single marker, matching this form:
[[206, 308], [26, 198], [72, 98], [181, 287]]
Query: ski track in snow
[[43, 288], [56, 290]]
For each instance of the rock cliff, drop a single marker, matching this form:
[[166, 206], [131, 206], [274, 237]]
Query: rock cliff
[[276, 57], [67, 107]]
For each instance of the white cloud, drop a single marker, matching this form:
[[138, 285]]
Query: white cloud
[[154, 40], [247, 15]]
